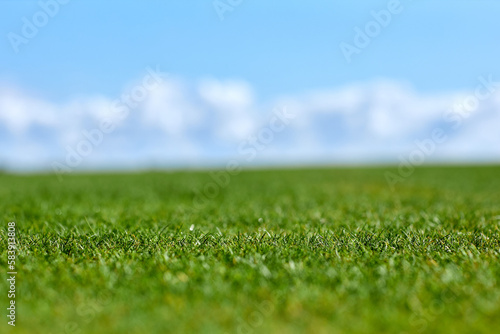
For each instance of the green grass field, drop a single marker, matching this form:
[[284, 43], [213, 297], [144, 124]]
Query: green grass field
[[278, 251]]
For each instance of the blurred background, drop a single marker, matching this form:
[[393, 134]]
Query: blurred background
[[88, 85]]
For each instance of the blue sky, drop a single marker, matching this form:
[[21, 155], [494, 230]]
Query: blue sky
[[266, 54]]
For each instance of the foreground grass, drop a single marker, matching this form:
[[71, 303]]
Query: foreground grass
[[290, 251]]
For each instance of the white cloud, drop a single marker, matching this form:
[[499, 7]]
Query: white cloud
[[181, 121], [19, 112], [170, 108], [231, 106], [229, 96]]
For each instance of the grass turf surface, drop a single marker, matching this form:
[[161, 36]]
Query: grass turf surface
[[279, 251]]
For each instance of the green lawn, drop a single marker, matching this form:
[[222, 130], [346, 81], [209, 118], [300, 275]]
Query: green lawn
[[277, 251]]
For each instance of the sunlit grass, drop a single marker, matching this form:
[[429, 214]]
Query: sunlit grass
[[280, 251]]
